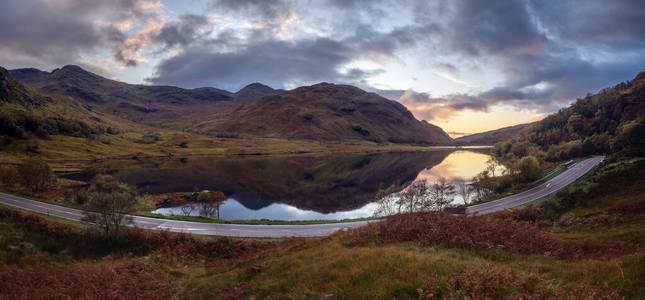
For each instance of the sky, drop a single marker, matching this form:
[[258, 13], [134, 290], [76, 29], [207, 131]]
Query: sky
[[465, 65]]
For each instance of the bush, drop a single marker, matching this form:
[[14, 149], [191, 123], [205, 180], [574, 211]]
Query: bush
[[36, 174], [476, 233], [529, 168], [150, 138], [9, 176], [228, 135], [112, 130]]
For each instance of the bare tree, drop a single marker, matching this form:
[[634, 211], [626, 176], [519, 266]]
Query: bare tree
[[415, 197], [109, 202], [464, 190], [386, 202], [442, 193], [187, 209]]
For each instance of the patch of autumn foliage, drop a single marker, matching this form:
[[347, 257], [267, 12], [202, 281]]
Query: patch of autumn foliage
[[477, 233], [56, 237], [489, 283], [105, 280]]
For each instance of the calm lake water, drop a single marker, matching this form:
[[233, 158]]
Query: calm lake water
[[293, 188]]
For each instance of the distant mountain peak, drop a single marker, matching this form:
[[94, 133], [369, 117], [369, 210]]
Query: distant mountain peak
[[255, 91]]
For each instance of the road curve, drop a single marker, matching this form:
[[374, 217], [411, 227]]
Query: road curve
[[236, 230], [563, 179], [313, 230]]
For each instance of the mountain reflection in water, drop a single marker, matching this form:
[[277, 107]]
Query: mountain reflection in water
[[294, 188]]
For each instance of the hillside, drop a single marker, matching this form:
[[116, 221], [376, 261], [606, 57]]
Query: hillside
[[160, 106], [328, 112], [610, 121], [320, 112], [255, 91], [26, 113], [491, 137]]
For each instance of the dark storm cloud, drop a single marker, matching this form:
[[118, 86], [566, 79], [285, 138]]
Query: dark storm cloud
[[277, 63], [614, 24], [55, 33], [271, 62], [541, 70], [493, 27], [183, 31]]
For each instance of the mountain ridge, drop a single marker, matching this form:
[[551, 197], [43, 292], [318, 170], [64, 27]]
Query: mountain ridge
[[492, 137], [342, 112]]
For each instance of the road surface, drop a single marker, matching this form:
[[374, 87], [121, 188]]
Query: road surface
[[572, 173], [237, 230], [313, 230]]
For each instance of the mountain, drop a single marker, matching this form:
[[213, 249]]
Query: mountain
[[493, 136], [328, 111], [151, 105], [322, 112], [255, 91], [24, 112], [610, 121]]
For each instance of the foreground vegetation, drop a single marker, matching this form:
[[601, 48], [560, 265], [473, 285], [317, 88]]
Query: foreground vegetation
[[586, 242]]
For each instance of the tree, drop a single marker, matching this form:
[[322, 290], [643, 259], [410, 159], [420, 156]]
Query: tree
[[386, 202], [529, 168], [442, 193], [36, 174], [491, 165], [210, 203], [415, 197], [464, 190], [109, 202], [482, 185]]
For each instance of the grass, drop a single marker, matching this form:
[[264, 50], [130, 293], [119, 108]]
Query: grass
[[251, 222]]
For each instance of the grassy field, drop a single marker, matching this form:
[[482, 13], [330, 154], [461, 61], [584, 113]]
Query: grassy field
[[587, 243], [69, 153]]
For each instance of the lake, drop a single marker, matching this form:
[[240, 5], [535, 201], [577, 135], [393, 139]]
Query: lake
[[293, 188]]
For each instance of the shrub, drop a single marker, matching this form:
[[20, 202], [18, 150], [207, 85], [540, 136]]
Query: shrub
[[489, 283], [475, 233], [529, 168], [150, 138], [104, 280], [9, 176], [228, 135], [36, 174], [109, 201]]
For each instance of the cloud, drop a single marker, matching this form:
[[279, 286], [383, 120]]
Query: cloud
[[530, 54], [37, 33], [183, 31], [278, 62], [264, 9]]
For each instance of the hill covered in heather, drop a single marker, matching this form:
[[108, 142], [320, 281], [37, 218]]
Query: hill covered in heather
[[328, 111], [320, 112], [610, 121]]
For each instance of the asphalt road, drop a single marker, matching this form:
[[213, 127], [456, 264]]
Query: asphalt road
[[237, 230], [563, 179], [313, 230]]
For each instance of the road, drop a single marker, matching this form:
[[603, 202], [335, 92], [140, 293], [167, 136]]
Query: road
[[236, 230], [563, 179], [313, 230]]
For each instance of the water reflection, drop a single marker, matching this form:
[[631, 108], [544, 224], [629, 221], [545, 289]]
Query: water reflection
[[294, 188]]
